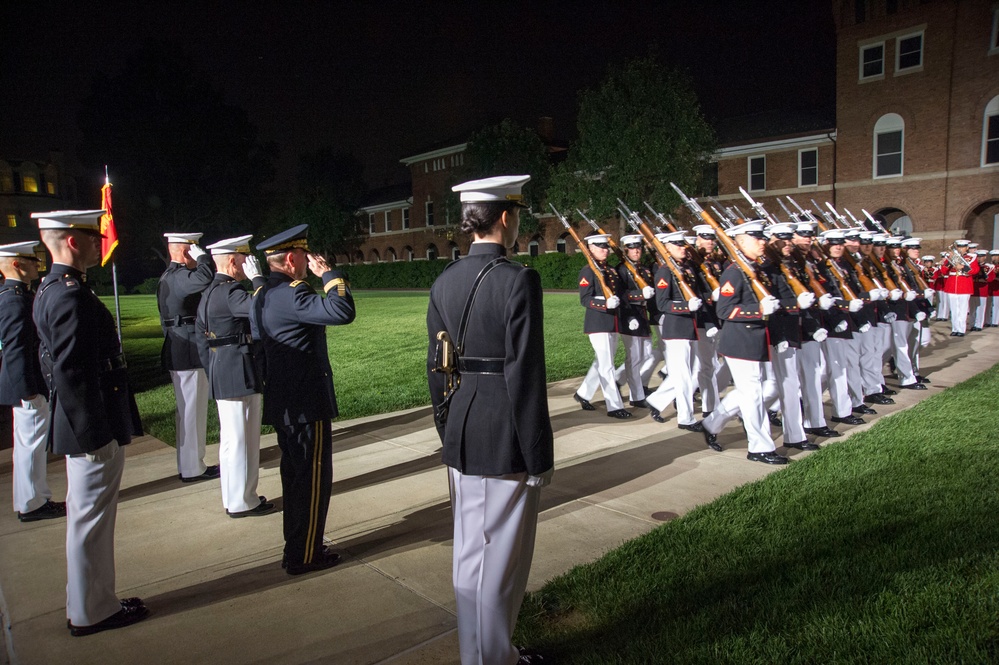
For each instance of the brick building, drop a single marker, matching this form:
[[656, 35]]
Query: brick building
[[916, 133], [32, 185]]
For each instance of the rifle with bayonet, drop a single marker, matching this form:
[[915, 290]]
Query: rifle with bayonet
[[831, 265], [877, 265], [621, 255], [866, 283], [597, 272], [642, 227], [913, 268], [773, 253], [692, 252]]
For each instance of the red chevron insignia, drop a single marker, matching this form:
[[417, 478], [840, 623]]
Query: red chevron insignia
[[662, 284], [584, 282], [728, 289]]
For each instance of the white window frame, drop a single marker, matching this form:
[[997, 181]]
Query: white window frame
[[860, 62], [405, 218], [922, 52], [428, 213], [749, 173], [371, 223], [436, 252], [455, 252], [991, 111], [560, 246], [892, 123], [535, 245], [388, 221], [816, 151], [994, 35]]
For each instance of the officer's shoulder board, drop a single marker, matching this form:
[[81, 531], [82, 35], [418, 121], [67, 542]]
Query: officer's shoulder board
[[299, 282]]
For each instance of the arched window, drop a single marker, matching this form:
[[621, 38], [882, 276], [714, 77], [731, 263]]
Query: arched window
[[358, 257], [560, 244], [455, 252], [408, 253], [373, 256], [990, 133], [889, 142], [390, 255], [534, 247], [431, 252]]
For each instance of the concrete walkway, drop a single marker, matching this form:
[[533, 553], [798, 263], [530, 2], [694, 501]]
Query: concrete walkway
[[215, 586]]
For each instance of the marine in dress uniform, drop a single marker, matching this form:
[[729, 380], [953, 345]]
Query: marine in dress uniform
[[233, 363], [190, 272], [875, 250], [866, 359], [634, 325], [93, 415], [992, 267], [290, 319], [22, 385], [602, 326], [959, 283], [980, 298], [743, 342], [919, 308], [497, 438], [709, 367]]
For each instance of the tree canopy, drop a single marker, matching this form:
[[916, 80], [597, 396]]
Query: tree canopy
[[638, 130]]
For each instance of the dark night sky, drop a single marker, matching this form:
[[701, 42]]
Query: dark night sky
[[384, 80]]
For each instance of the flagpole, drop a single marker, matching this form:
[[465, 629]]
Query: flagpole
[[114, 281]]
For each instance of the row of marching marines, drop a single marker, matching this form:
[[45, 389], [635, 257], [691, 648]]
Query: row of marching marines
[[782, 311]]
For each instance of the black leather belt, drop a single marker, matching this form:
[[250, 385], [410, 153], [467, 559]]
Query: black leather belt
[[480, 365], [109, 364], [179, 321], [229, 340]]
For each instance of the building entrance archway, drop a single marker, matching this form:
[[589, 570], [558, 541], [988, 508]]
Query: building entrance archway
[[982, 224], [897, 221]]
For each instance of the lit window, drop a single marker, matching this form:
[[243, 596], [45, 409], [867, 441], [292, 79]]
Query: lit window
[[888, 145], [388, 222], [872, 61], [757, 173], [6, 182], [909, 53], [990, 133], [405, 218], [12, 220], [429, 212], [50, 187], [29, 184], [808, 167]]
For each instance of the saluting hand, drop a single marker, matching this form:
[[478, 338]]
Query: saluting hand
[[318, 265]]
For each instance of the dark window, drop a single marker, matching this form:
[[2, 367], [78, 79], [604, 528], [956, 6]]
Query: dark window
[[872, 61], [891, 7], [533, 248], [809, 163], [430, 213], [992, 141], [910, 52], [860, 11], [560, 245], [757, 173], [889, 154], [405, 218]]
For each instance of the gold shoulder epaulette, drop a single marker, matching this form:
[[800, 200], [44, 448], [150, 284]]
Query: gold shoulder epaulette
[[298, 282], [340, 284]]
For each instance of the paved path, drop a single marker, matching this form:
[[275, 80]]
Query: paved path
[[215, 586]]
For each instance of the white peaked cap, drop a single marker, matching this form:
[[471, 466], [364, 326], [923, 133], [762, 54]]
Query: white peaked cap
[[675, 237], [755, 226], [24, 250], [183, 238], [634, 239], [88, 220], [597, 237], [911, 242], [498, 188], [238, 245]]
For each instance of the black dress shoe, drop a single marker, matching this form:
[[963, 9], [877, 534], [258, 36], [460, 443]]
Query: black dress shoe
[[953, 334], [263, 508], [646, 391], [210, 473], [128, 614], [585, 404], [693, 427], [640, 404], [705, 414], [878, 398], [49, 510], [656, 416], [822, 431], [803, 445], [326, 558], [891, 365], [922, 379], [620, 414], [887, 391], [848, 420], [663, 374], [975, 329], [914, 386], [709, 438], [864, 410], [767, 458], [775, 419], [960, 334]]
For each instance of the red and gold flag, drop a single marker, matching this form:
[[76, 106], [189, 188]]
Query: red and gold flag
[[110, 239]]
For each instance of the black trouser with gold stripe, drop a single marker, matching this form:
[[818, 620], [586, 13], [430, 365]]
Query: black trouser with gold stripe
[[306, 479]]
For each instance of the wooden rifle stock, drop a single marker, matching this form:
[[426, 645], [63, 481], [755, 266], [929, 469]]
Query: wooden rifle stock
[[692, 252], [586, 252], [639, 225], [636, 275], [777, 259], [804, 264]]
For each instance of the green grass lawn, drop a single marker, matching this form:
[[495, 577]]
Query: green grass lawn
[[379, 361], [880, 549]]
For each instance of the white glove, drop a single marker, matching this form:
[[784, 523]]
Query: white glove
[[105, 453], [891, 317], [806, 300], [715, 294], [929, 293], [864, 328], [920, 316], [826, 301], [910, 295], [711, 332], [195, 252], [694, 304], [543, 480], [842, 325], [782, 347], [769, 305], [251, 267], [874, 294], [821, 334], [613, 302], [648, 292], [885, 293], [632, 324], [895, 294], [856, 305]]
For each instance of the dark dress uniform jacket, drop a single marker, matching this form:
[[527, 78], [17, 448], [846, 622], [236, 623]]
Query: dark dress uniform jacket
[[598, 319], [678, 322], [177, 298], [20, 373], [497, 423], [290, 319], [233, 361], [81, 360], [632, 306], [838, 313], [744, 334], [785, 324]]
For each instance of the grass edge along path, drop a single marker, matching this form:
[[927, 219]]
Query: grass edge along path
[[880, 548]]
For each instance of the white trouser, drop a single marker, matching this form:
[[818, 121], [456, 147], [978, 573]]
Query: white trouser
[[903, 360], [959, 312], [884, 334], [706, 367], [915, 340], [785, 364], [601, 372], [239, 451], [657, 354], [839, 354], [745, 399], [495, 521], [636, 353], [679, 383], [943, 305], [190, 387], [31, 431], [811, 369], [994, 312], [869, 365], [91, 511], [979, 304]]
